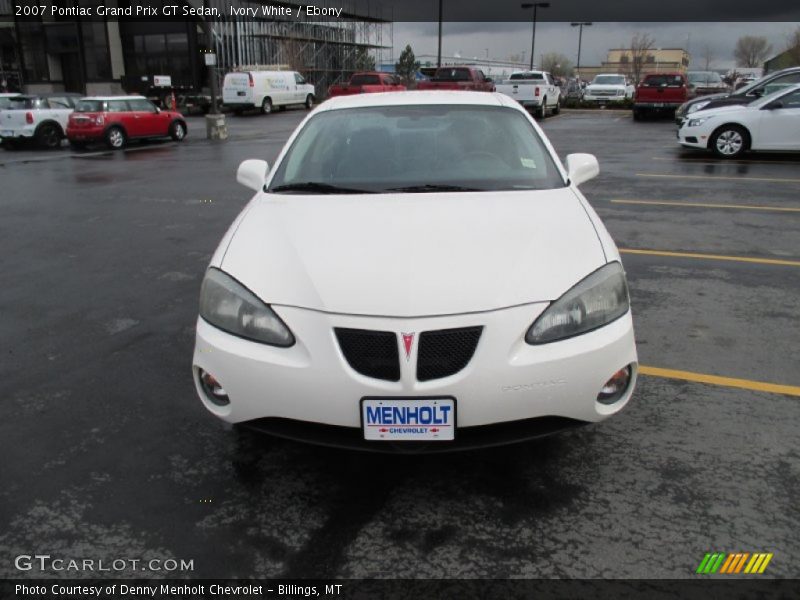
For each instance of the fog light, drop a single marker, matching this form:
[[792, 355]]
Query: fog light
[[614, 388], [213, 389]]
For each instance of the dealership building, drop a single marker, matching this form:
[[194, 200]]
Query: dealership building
[[102, 55]]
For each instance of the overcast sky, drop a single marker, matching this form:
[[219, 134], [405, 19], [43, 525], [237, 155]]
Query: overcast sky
[[505, 39]]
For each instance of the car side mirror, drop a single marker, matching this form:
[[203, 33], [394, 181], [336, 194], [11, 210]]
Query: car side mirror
[[488, 80], [252, 174], [757, 92], [774, 105], [582, 167]]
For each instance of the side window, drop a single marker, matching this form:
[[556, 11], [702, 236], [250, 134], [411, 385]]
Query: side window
[[117, 106], [480, 75], [58, 102], [142, 105], [298, 79], [780, 83], [791, 100]]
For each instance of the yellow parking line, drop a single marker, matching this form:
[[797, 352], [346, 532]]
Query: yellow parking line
[[745, 259], [745, 384], [708, 205], [720, 177]]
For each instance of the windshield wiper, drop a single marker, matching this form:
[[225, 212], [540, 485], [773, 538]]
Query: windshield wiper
[[434, 187], [318, 187]]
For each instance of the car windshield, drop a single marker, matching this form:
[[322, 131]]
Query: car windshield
[[663, 81], [608, 80], [89, 106], [365, 80], [518, 76], [417, 148], [452, 75], [704, 77]]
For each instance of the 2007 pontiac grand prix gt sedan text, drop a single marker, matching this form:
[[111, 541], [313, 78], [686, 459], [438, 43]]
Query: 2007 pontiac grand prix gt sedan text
[[418, 272]]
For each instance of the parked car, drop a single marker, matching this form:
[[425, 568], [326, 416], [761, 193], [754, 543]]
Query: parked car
[[608, 87], [660, 92], [753, 91], [367, 83], [504, 317], [4, 103], [117, 119], [770, 123], [534, 90], [458, 78], [266, 90], [574, 90], [40, 118], [703, 83]]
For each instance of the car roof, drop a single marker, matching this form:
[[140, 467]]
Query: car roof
[[106, 98], [415, 97]]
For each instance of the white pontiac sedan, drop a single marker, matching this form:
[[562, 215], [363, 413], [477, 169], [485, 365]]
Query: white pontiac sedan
[[770, 123], [416, 273]]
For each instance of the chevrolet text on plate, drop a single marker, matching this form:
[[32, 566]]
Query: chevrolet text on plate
[[418, 272]]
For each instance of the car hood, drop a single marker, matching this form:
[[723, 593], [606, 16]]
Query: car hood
[[605, 88], [411, 255], [718, 110]]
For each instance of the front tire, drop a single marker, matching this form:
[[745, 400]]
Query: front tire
[[309, 102], [116, 138], [729, 141], [49, 136], [541, 113], [266, 106], [557, 107], [177, 131]]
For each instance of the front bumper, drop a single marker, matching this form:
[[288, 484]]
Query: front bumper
[[692, 138], [506, 380], [602, 99]]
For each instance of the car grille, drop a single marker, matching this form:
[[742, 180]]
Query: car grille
[[371, 353], [445, 352]]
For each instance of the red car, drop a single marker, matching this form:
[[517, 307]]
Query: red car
[[660, 92], [367, 83], [117, 119], [458, 78]]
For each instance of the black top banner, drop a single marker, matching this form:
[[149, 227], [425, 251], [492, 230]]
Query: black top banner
[[405, 10]]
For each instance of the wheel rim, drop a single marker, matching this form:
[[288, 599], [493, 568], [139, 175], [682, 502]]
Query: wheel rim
[[179, 131], [267, 107], [50, 137], [115, 137], [729, 142], [309, 102]]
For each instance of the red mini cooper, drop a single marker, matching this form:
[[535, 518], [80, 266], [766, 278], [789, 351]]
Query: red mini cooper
[[117, 119]]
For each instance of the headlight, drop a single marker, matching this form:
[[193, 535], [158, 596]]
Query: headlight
[[696, 107], [597, 300], [696, 122], [228, 305]]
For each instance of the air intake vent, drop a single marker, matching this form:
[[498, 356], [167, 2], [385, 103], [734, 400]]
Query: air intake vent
[[371, 353], [445, 352]]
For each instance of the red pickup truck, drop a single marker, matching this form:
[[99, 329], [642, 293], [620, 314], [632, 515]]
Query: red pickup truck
[[458, 78], [660, 92], [367, 83]]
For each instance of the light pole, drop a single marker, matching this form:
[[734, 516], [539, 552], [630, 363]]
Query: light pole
[[534, 6], [439, 52], [580, 38]]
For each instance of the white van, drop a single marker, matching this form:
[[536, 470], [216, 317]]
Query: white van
[[266, 90]]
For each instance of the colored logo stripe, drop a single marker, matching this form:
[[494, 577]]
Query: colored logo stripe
[[733, 563]]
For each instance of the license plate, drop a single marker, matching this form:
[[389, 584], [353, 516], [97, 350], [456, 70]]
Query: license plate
[[659, 105], [408, 419]]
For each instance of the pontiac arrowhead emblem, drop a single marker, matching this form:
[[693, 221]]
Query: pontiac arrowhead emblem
[[408, 343]]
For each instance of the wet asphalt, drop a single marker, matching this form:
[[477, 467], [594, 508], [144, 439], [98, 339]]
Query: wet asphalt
[[107, 452]]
